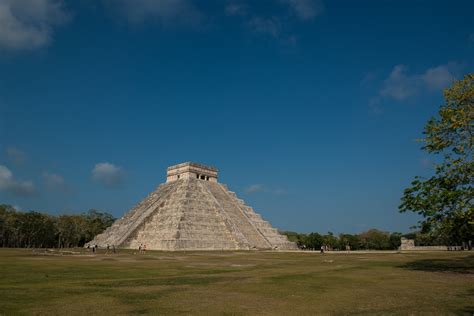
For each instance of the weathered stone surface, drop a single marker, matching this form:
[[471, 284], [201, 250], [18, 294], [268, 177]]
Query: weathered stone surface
[[192, 212], [409, 244]]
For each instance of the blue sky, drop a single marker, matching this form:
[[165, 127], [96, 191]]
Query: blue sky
[[310, 109]]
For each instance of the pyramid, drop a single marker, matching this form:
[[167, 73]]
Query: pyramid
[[192, 211]]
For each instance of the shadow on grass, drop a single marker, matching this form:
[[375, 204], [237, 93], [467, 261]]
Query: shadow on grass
[[463, 265], [468, 309]]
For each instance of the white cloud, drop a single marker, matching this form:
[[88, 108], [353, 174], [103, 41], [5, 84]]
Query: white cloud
[[9, 184], [108, 174], [253, 188], [29, 24], [236, 9], [401, 85], [54, 182], [16, 155], [270, 26], [306, 9], [272, 23], [438, 77], [279, 191], [163, 11], [257, 188]]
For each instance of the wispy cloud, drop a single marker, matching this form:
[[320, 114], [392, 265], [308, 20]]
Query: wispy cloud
[[167, 12], [269, 26], [236, 9], [306, 9], [253, 188], [276, 24], [440, 77], [16, 187], [16, 155], [258, 188], [29, 24], [401, 84], [54, 182], [107, 174]]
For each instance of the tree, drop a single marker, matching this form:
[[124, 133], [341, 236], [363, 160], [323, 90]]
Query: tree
[[314, 241], [445, 200], [34, 229], [395, 240], [375, 239], [352, 241], [330, 241], [6, 229], [97, 222], [297, 238]]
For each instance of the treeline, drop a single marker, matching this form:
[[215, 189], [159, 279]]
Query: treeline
[[38, 230], [372, 239]]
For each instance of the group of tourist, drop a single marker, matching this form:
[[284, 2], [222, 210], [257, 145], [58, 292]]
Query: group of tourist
[[142, 248], [95, 248]]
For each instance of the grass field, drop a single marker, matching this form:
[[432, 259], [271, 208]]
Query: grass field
[[236, 283]]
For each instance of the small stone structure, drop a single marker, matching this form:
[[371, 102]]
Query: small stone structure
[[191, 170], [192, 211], [409, 244]]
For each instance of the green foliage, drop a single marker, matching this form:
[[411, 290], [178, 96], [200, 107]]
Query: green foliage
[[395, 240], [97, 222], [372, 239], [350, 241], [314, 241], [305, 241], [330, 241], [375, 239], [445, 200], [36, 230], [453, 130]]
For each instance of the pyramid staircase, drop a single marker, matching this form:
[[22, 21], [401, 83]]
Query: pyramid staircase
[[192, 214]]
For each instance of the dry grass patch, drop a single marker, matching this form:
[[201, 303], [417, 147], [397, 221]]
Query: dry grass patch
[[265, 283]]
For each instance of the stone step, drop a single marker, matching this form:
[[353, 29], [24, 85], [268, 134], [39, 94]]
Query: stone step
[[192, 214], [230, 203]]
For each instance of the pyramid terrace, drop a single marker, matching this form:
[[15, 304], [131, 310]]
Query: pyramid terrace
[[192, 211]]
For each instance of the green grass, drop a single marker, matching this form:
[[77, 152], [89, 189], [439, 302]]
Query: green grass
[[236, 283]]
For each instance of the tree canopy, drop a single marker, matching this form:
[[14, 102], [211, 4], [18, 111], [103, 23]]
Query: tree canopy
[[445, 200], [372, 239], [35, 229]]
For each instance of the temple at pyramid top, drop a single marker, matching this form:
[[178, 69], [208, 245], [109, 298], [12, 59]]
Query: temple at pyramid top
[[188, 170], [192, 211]]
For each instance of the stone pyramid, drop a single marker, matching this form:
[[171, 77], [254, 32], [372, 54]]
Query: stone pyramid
[[192, 211]]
